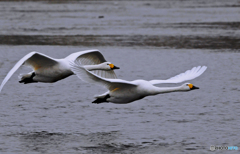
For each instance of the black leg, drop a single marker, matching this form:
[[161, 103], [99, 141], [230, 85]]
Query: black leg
[[101, 100], [28, 80]]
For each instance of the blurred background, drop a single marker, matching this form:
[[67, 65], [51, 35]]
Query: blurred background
[[147, 40]]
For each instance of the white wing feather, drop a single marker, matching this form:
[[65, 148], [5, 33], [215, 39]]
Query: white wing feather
[[92, 57], [87, 57], [188, 75], [33, 59], [90, 77]]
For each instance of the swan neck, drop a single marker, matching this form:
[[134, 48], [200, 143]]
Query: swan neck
[[160, 90], [92, 67]]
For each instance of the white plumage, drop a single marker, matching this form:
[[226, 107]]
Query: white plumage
[[188, 75], [47, 69], [122, 91]]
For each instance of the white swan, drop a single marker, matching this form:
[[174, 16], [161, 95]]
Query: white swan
[[122, 91], [47, 69]]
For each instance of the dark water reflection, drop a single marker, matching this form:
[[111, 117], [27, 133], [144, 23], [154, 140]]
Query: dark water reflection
[[188, 42]]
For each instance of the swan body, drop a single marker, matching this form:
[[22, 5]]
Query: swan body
[[123, 92], [47, 69]]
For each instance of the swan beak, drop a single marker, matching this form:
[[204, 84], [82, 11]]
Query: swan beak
[[113, 67], [192, 87]]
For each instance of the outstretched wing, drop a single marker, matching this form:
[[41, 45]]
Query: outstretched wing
[[188, 75], [90, 77], [34, 60], [37, 60], [92, 57]]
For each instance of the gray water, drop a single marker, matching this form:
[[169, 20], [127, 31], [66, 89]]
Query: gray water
[[60, 118]]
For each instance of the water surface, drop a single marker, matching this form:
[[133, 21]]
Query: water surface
[[147, 40]]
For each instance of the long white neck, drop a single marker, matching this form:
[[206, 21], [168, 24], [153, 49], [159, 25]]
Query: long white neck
[[160, 90], [93, 67]]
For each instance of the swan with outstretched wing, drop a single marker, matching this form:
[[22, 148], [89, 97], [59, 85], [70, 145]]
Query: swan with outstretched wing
[[122, 91], [47, 69]]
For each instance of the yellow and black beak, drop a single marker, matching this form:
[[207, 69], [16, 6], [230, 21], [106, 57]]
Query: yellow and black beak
[[192, 87], [113, 67]]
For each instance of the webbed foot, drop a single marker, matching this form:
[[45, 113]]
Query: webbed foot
[[101, 100], [27, 78]]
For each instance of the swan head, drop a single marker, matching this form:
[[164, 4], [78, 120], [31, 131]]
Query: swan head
[[109, 66], [189, 86]]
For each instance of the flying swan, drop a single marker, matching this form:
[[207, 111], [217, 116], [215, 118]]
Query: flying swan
[[123, 92], [47, 69]]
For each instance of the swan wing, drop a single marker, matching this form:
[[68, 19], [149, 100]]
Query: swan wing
[[34, 60], [92, 57], [90, 77], [38, 60], [188, 75]]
